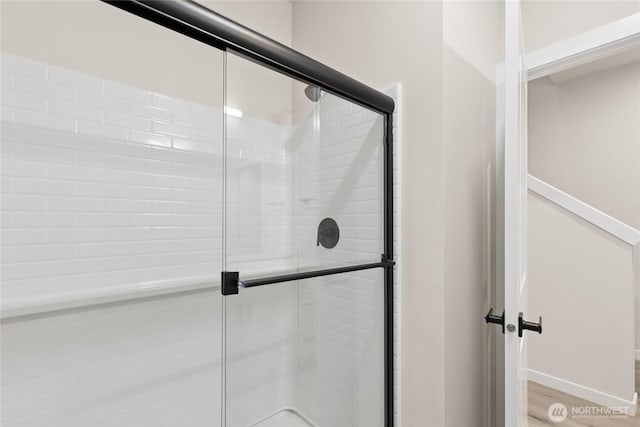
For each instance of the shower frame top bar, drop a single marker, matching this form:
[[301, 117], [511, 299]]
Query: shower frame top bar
[[207, 26]]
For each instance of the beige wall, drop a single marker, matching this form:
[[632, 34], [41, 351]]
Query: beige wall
[[447, 135], [584, 138], [82, 36], [546, 22], [584, 133], [581, 281], [401, 42], [259, 93], [469, 106], [121, 47]]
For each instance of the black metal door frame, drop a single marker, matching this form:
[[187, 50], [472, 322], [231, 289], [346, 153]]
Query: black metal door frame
[[202, 24]]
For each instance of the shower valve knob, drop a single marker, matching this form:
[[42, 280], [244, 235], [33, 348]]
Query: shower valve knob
[[328, 233]]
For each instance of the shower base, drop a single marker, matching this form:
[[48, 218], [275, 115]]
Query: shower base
[[284, 417]]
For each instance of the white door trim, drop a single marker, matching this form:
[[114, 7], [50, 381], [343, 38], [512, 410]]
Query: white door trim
[[515, 192]]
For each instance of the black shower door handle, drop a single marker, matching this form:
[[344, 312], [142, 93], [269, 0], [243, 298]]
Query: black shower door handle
[[231, 282]]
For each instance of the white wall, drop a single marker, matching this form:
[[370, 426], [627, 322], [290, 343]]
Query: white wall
[[548, 21], [104, 184], [584, 138], [469, 135], [575, 143], [582, 282], [137, 364]]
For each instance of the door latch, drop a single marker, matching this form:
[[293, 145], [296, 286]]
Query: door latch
[[492, 318], [530, 326]]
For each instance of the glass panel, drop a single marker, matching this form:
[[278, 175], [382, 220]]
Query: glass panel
[[111, 191], [307, 353], [339, 175], [291, 164], [341, 349]]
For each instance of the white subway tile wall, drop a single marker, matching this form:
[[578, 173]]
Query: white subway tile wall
[[104, 184], [260, 206], [341, 318], [262, 349], [331, 166], [98, 188], [148, 362]]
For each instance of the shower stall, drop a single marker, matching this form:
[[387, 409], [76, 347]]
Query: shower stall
[[179, 253]]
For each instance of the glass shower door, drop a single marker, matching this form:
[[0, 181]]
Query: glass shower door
[[111, 232], [303, 194]]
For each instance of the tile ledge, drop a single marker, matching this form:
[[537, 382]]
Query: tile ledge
[[22, 306]]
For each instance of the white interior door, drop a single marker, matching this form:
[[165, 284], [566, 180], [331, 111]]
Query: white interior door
[[515, 219]]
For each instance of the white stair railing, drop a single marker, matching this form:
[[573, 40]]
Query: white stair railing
[[617, 228]]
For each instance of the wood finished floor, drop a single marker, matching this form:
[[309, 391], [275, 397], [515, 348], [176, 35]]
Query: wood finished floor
[[540, 397]]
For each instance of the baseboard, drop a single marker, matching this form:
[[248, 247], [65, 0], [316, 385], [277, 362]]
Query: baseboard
[[583, 392]]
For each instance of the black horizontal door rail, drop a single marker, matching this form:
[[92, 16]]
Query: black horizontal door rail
[[249, 283], [203, 24]]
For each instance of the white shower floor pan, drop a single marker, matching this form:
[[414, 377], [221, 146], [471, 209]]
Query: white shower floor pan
[[285, 417]]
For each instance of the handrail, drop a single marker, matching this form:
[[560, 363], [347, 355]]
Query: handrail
[[585, 211], [585, 47]]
